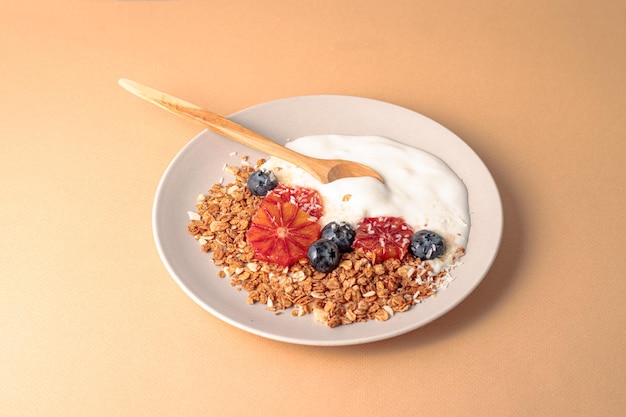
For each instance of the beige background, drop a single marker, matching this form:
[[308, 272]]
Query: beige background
[[92, 324]]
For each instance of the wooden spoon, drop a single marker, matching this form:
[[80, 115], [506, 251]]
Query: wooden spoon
[[324, 170]]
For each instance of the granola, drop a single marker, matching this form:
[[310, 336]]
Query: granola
[[360, 289]]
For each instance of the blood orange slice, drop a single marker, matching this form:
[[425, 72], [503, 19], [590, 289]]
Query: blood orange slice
[[281, 233], [386, 237], [305, 198]]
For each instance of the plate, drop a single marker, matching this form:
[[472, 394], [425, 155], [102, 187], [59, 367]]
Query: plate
[[200, 164]]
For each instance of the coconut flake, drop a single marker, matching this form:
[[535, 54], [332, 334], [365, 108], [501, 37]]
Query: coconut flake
[[389, 310], [193, 215]]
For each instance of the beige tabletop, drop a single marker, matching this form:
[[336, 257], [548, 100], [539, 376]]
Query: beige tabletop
[[92, 324]]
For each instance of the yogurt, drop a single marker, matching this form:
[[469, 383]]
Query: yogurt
[[418, 187]]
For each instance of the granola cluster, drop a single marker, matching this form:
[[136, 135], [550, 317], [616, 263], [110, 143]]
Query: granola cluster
[[360, 289]]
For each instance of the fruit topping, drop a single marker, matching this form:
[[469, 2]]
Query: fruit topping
[[281, 233], [324, 255], [305, 198], [341, 233], [427, 245], [385, 237], [262, 182]]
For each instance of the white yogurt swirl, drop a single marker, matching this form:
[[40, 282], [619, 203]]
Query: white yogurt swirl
[[418, 187]]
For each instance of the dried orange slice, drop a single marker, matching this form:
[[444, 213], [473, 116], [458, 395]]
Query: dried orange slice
[[386, 237], [305, 198], [281, 233]]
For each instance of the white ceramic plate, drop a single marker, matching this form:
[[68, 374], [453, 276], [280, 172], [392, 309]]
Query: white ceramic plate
[[199, 165]]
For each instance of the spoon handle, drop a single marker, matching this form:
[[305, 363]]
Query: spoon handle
[[213, 121]]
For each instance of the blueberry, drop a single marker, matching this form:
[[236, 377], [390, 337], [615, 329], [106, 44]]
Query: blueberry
[[324, 255], [341, 233], [427, 245], [262, 182]]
